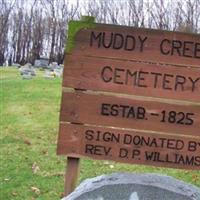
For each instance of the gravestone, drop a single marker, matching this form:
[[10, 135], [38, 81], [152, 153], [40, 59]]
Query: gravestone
[[58, 71], [48, 74], [125, 186], [53, 65], [27, 71], [28, 65], [42, 62]]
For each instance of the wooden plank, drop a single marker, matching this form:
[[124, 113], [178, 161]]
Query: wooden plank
[[134, 78], [106, 110], [129, 146], [71, 175], [127, 43]]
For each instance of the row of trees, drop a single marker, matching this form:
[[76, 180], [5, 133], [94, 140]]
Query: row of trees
[[33, 28]]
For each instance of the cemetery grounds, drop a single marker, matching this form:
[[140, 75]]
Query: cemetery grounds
[[29, 118]]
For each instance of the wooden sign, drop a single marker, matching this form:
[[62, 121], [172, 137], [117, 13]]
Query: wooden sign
[[131, 95], [129, 146]]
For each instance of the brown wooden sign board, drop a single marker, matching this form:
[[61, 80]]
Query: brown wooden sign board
[[130, 95], [103, 110], [133, 78], [129, 146], [127, 43]]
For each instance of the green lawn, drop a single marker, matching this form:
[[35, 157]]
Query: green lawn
[[30, 168]]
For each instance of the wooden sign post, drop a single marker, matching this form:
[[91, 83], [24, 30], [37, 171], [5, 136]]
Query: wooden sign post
[[130, 95]]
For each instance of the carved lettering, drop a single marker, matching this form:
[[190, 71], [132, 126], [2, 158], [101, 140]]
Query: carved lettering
[[147, 79]]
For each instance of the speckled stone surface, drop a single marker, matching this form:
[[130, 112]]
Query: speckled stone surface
[[125, 186]]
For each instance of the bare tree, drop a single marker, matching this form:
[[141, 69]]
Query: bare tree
[[190, 15], [136, 14], [5, 11], [28, 32]]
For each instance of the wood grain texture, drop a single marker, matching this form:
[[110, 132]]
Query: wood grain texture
[[71, 175], [133, 78], [129, 146], [95, 109], [117, 60], [180, 47]]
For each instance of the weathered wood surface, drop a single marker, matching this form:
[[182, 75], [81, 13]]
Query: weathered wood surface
[[71, 175], [128, 43], [106, 110], [129, 146], [141, 82], [133, 78]]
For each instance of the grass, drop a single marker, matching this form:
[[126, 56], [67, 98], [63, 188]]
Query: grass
[[30, 168]]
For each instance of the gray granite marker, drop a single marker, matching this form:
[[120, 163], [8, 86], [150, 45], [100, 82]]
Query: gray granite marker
[[126, 186]]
